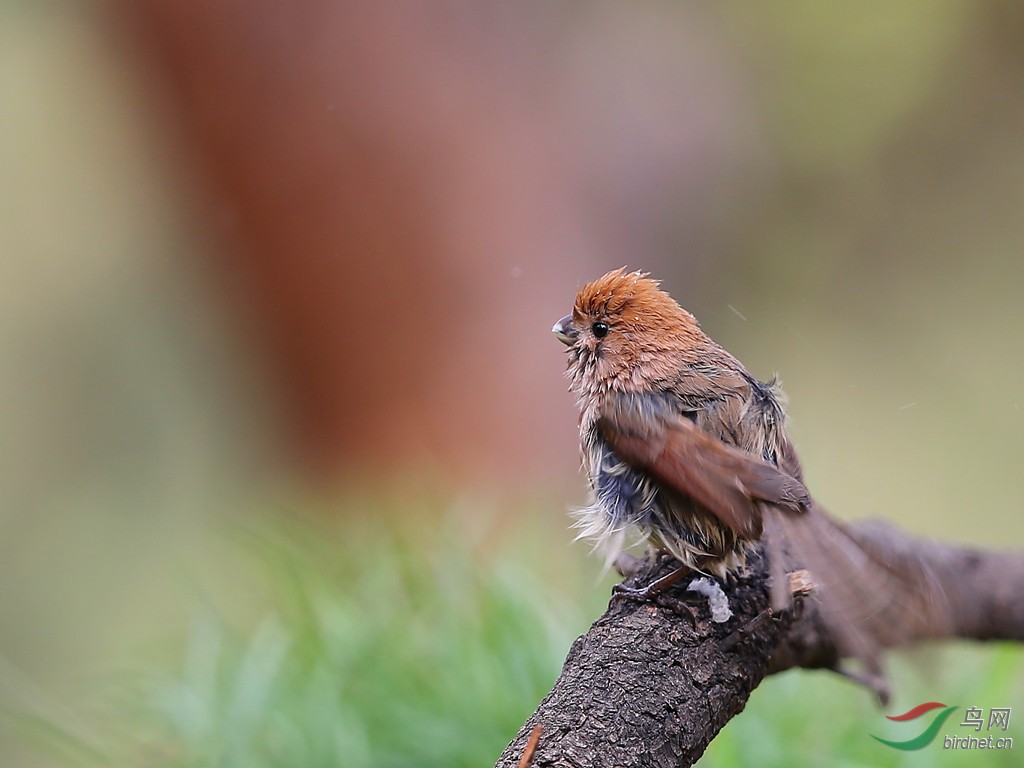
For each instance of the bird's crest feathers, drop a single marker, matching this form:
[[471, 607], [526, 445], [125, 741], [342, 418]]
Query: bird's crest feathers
[[635, 305], [627, 295]]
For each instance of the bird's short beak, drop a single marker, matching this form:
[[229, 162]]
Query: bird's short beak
[[564, 331]]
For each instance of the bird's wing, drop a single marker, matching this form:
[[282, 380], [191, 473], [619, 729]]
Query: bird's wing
[[651, 436]]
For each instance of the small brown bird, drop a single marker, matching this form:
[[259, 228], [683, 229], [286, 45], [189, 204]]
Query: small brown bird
[[682, 445]]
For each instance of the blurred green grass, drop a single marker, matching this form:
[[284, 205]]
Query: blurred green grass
[[387, 643], [393, 642]]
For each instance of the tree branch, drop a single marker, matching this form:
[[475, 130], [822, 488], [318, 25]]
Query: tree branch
[[651, 684]]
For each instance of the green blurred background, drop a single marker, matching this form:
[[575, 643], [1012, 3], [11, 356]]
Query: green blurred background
[[286, 448]]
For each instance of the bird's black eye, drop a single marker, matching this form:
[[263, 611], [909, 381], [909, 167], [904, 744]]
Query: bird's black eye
[[600, 329]]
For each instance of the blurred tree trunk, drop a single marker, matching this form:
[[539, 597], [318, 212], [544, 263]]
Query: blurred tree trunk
[[403, 190]]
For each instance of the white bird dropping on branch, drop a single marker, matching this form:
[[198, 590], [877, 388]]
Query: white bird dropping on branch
[[719, 603]]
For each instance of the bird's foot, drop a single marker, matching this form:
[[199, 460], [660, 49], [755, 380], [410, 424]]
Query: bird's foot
[[652, 590]]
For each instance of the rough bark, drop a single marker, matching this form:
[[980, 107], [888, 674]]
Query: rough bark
[[651, 684]]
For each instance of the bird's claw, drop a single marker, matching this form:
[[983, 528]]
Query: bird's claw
[[636, 594], [652, 590]]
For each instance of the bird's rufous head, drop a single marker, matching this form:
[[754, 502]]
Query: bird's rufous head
[[625, 331]]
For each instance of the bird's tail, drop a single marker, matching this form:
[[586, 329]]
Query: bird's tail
[[868, 599]]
